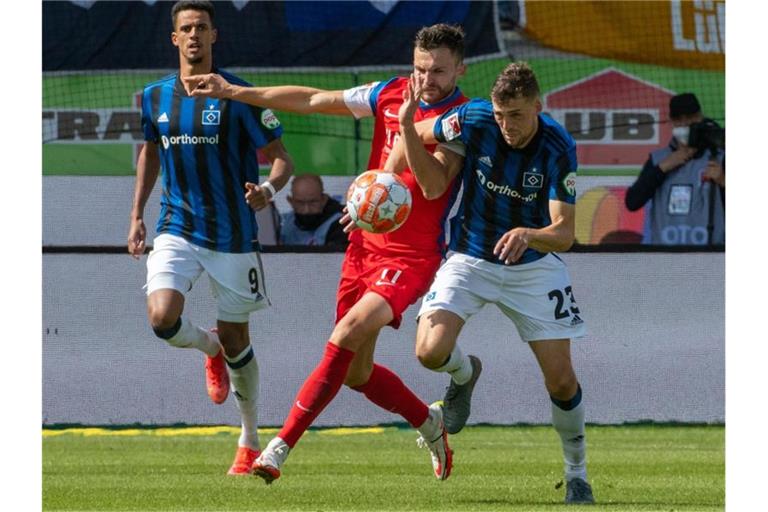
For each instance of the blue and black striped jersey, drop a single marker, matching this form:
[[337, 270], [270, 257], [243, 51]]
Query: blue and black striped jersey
[[207, 154], [504, 187]]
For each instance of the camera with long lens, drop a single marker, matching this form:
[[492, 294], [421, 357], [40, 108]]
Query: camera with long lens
[[707, 134]]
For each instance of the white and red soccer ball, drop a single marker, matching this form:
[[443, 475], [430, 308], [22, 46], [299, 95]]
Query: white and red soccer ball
[[379, 201]]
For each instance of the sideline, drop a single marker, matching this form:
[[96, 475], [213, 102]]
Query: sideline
[[197, 431]]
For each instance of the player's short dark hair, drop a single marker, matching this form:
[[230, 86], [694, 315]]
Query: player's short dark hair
[[441, 35], [193, 5], [517, 80]]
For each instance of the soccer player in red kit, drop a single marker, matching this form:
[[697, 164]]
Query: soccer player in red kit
[[382, 274]]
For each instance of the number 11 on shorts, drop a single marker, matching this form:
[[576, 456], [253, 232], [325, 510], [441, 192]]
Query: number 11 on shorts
[[388, 277]]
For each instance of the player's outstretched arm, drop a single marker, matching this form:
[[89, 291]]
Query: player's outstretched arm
[[288, 98], [147, 170], [434, 172], [556, 237], [257, 196]]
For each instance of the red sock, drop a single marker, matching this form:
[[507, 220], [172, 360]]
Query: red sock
[[316, 392], [389, 392]]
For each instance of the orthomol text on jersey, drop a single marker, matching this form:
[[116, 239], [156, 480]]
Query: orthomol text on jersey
[[504, 189], [188, 139]]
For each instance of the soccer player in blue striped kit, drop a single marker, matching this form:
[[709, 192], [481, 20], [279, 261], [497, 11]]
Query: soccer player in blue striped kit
[[518, 170], [210, 174]]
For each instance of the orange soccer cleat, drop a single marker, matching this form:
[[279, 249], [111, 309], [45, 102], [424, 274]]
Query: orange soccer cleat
[[217, 377], [243, 461]]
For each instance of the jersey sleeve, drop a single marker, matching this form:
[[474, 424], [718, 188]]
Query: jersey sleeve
[[452, 126], [261, 125], [147, 126], [563, 171], [362, 100]]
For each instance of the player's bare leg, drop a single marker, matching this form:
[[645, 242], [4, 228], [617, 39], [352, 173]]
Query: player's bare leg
[[362, 364], [164, 309], [554, 358], [244, 376], [437, 349]]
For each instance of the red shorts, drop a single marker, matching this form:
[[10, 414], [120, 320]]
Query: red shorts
[[401, 280]]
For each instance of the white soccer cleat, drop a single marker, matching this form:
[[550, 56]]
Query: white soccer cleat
[[442, 456], [267, 465]]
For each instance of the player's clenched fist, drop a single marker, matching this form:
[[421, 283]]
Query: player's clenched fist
[[257, 197]]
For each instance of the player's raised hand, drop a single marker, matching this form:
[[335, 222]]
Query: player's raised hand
[[137, 235], [411, 98], [347, 222], [211, 85], [511, 245], [257, 197]]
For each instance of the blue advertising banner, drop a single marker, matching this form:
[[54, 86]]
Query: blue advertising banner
[[135, 35]]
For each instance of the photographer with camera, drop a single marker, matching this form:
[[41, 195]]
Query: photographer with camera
[[685, 180]]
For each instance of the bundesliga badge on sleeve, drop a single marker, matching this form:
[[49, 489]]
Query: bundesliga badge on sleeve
[[451, 127]]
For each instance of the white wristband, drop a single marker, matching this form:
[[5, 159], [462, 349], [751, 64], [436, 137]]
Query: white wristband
[[267, 185]]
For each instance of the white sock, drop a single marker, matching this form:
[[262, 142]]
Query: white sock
[[191, 336], [458, 366], [244, 379], [570, 425]]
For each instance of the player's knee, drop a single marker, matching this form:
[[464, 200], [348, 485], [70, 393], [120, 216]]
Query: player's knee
[[351, 332], [429, 356], [162, 318], [562, 387], [430, 352]]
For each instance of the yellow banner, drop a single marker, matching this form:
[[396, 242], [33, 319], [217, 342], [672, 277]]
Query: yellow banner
[[681, 34]]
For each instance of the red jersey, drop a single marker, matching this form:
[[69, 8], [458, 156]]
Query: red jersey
[[424, 231]]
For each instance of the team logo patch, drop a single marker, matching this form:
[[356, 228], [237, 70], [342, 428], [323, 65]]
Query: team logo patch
[[451, 127], [569, 183], [211, 117], [269, 119], [532, 180]]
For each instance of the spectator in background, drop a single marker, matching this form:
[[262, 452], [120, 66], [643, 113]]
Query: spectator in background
[[679, 177], [314, 219]]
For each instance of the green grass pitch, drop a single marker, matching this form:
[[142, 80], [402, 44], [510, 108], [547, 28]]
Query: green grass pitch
[[631, 468]]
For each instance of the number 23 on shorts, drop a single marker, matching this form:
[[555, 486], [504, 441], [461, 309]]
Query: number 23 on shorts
[[559, 297]]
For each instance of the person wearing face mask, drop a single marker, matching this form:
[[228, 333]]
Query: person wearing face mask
[[315, 215], [678, 179]]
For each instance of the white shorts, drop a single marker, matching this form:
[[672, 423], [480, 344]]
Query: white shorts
[[237, 279], [536, 296]]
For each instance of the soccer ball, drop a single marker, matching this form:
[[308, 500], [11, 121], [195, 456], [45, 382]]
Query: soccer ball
[[378, 201]]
